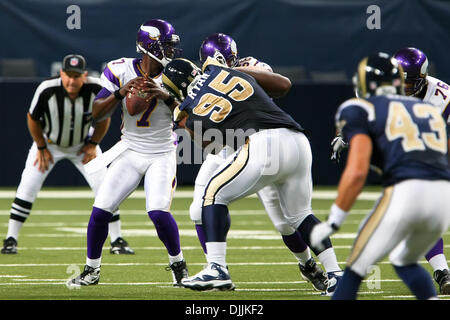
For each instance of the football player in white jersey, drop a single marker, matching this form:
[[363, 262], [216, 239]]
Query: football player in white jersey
[[436, 92], [310, 271], [147, 148]]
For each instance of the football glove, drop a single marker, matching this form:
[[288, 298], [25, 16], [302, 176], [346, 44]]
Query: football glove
[[319, 233], [338, 145]]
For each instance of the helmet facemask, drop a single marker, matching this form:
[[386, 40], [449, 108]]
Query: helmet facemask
[[161, 51], [415, 85]]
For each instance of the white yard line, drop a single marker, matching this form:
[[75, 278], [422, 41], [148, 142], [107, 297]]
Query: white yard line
[[8, 265], [140, 194], [184, 248]]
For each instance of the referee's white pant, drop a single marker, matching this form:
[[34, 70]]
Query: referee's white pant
[[32, 179]]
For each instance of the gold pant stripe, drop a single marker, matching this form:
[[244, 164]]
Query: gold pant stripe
[[226, 175], [370, 226]]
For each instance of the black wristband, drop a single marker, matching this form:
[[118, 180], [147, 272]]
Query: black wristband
[[334, 227], [93, 142], [169, 101], [117, 95], [43, 147]]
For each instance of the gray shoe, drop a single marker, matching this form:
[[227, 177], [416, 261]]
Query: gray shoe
[[213, 277], [90, 276]]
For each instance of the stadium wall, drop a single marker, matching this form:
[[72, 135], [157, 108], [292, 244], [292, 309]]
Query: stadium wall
[[312, 105], [316, 43], [318, 36]]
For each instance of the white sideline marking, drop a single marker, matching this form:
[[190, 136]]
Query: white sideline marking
[[140, 194]]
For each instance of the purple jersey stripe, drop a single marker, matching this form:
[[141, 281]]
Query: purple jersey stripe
[[446, 112], [136, 68], [103, 94], [111, 77]]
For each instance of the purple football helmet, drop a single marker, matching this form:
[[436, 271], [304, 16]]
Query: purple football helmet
[[222, 43], [415, 67], [157, 38]]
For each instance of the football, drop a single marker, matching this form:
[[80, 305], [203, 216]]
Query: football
[[136, 102]]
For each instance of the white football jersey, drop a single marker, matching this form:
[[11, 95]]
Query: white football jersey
[[438, 94], [250, 61], [151, 130]]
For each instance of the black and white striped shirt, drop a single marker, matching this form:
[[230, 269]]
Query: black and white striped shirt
[[65, 122]]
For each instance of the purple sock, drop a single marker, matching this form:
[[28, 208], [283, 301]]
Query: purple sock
[[437, 249], [295, 242], [201, 236], [97, 232], [167, 230]]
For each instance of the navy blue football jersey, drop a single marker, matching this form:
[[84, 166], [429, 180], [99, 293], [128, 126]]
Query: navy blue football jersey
[[409, 136], [224, 98]]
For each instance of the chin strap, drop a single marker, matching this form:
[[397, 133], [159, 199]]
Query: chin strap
[[164, 61], [421, 88]]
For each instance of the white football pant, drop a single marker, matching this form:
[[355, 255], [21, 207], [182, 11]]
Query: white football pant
[[276, 163], [125, 173], [406, 222]]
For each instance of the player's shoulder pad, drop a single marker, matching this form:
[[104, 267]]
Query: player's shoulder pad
[[211, 62], [119, 66], [433, 81], [252, 61], [363, 104], [115, 70]]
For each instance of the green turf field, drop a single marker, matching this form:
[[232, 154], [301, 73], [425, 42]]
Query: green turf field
[[52, 248]]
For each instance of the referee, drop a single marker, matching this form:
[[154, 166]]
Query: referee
[[60, 123]]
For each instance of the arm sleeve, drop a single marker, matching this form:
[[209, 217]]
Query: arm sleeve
[[352, 120]]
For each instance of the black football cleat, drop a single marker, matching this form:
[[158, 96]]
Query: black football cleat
[[120, 246], [442, 277], [179, 272], [313, 273], [9, 246]]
